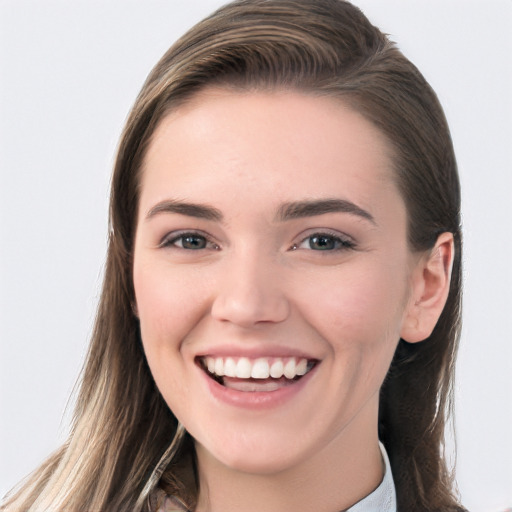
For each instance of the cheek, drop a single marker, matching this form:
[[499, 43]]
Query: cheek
[[360, 309], [169, 303], [169, 306], [361, 320]]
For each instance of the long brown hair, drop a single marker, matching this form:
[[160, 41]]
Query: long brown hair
[[122, 429]]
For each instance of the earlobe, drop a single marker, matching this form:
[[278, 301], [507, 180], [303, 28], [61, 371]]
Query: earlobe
[[430, 287]]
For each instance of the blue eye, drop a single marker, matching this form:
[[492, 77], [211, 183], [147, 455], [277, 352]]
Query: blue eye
[[189, 241], [325, 242]]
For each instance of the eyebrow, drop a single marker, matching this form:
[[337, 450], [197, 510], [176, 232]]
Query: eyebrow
[[287, 211], [199, 211], [311, 208]]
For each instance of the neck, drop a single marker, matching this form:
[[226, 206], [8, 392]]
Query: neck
[[331, 480]]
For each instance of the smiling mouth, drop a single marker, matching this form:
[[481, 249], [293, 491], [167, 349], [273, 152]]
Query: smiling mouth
[[252, 375]]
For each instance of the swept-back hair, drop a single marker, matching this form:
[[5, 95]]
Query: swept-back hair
[[124, 438]]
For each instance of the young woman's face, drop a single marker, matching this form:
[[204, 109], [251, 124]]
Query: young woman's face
[[271, 238]]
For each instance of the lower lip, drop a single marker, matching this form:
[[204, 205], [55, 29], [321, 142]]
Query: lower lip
[[257, 399]]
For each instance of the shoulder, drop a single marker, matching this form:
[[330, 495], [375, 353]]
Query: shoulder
[[162, 502]]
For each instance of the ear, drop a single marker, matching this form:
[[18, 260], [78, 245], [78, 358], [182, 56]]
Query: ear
[[135, 309], [430, 287]]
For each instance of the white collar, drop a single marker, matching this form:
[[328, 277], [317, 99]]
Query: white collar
[[383, 499]]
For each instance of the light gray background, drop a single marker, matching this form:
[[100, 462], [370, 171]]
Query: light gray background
[[69, 71]]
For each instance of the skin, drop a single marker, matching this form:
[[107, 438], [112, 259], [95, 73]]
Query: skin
[[259, 283]]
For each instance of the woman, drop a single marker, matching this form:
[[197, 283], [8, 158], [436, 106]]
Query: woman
[[282, 287]]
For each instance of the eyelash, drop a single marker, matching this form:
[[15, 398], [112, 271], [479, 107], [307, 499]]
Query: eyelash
[[339, 243], [172, 239]]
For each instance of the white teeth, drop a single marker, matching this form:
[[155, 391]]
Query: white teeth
[[219, 366], [230, 367], [289, 369], [277, 369], [261, 368], [243, 368], [301, 368]]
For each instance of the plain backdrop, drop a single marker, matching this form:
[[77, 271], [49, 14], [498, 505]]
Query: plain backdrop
[[69, 72]]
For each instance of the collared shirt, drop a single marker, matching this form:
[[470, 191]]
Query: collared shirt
[[382, 499]]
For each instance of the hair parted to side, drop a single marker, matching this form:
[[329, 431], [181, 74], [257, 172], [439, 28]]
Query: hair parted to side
[[122, 428]]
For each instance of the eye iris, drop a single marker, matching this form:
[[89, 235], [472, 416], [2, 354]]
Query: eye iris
[[193, 242], [322, 242]]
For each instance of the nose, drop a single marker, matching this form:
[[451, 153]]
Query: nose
[[250, 292]]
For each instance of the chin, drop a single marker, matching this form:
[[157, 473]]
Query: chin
[[253, 456], [257, 464]]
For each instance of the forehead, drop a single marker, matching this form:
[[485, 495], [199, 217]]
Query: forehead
[[266, 146]]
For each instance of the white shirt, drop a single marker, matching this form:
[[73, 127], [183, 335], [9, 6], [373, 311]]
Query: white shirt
[[383, 499]]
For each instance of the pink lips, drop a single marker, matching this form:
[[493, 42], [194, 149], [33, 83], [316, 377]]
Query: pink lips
[[252, 393]]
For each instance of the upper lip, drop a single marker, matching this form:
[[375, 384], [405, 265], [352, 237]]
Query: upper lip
[[255, 352]]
